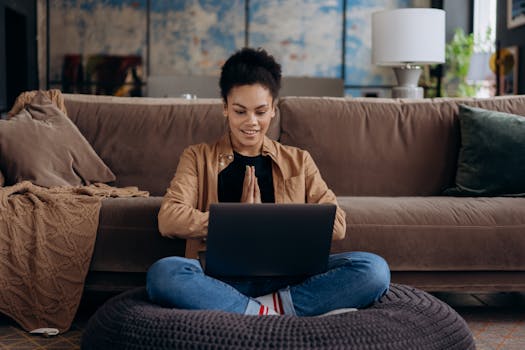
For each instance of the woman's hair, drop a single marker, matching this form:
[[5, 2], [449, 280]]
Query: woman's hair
[[250, 66]]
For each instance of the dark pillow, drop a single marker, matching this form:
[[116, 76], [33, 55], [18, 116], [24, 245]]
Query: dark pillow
[[42, 145], [492, 156]]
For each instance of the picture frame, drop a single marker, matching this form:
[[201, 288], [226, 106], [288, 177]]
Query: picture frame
[[508, 79], [515, 13]]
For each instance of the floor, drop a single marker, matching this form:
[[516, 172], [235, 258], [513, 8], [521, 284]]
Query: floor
[[497, 322]]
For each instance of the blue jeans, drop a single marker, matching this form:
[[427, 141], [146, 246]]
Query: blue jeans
[[353, 280]]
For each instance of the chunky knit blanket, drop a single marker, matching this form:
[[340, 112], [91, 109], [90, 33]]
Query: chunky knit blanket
[[25, 98], [47, 238]]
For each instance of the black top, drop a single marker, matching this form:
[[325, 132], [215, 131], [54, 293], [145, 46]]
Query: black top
[[232, 177]]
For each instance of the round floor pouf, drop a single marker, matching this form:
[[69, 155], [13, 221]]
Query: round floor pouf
[[406, 318]]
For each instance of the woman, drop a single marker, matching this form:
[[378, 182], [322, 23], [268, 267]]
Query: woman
[[246, 166]]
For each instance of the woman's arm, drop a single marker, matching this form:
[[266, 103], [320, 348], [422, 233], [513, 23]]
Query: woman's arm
[[178, 216], [318, 192]]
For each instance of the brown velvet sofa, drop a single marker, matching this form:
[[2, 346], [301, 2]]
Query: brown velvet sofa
[[387, 160]]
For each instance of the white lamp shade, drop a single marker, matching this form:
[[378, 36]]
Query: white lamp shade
[[415, 35]]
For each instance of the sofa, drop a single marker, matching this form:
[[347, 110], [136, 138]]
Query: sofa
[[387, 160]]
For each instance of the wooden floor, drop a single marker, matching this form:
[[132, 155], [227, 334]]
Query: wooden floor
[[497, 320]]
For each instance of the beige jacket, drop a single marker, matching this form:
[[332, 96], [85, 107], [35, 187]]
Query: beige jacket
[[184, 209]]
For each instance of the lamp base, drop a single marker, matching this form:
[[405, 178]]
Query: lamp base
[[407, 92], [407, 78]]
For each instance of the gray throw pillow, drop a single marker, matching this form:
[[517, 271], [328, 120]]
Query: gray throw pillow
[[42, 145], [492, 156]]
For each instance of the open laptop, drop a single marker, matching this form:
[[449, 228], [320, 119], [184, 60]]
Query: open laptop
[[263, 240]]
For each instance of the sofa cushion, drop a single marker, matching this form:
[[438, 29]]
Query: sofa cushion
[[382, 147], [128, 239], [42, 145], [141, 139], [437, 233], [492, 156]]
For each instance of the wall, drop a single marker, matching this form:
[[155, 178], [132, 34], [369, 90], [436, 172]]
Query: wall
[[325, 38], [459, 15], [3, 87], [41, 30], [10, 83], [510, 37]]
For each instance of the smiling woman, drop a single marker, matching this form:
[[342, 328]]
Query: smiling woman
[[246, 166]]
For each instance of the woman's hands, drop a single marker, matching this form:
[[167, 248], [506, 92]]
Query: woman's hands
[[250, 187]]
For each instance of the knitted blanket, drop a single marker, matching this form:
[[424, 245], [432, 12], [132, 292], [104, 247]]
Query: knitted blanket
[[47, 238], [25, 98]]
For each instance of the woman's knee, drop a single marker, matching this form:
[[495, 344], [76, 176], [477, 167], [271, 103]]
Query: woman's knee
[[379, 274], [163, 275], [168, 267], [371, 265]]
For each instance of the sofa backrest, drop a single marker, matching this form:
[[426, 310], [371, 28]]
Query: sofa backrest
[[382, 147], [141, 139], [362, 146]]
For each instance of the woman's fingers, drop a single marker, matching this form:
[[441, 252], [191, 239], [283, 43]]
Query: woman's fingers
[[252, 181], [250, 188], [247, 191], [257, 193]]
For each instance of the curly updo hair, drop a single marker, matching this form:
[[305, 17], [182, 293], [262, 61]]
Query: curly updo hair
[[250, 66]]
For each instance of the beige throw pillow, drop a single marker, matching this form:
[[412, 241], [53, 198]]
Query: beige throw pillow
[[42, 145]]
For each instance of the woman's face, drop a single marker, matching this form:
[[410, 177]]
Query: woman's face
[[249, 110]]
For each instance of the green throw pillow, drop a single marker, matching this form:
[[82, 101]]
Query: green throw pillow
[[492, 156]]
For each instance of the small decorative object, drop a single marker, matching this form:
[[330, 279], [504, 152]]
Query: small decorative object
[[188, 96], [515, 13], [404, 39], [504, 63]]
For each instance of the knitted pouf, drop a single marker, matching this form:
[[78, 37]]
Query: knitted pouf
[[405, 318]]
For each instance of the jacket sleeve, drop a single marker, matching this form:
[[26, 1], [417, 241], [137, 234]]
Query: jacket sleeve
[[318, 192], [178, 216]]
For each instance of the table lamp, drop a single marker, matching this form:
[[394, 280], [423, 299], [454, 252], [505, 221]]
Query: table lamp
[[405, 39]]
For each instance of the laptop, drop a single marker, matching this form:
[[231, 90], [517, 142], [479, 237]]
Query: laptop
[[268, 240]]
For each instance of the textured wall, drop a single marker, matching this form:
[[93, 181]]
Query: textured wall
[[305, 35], [95, 26], [194, 37], [191, 37]]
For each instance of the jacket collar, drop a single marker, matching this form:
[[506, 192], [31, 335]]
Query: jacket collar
[[225, 148]]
